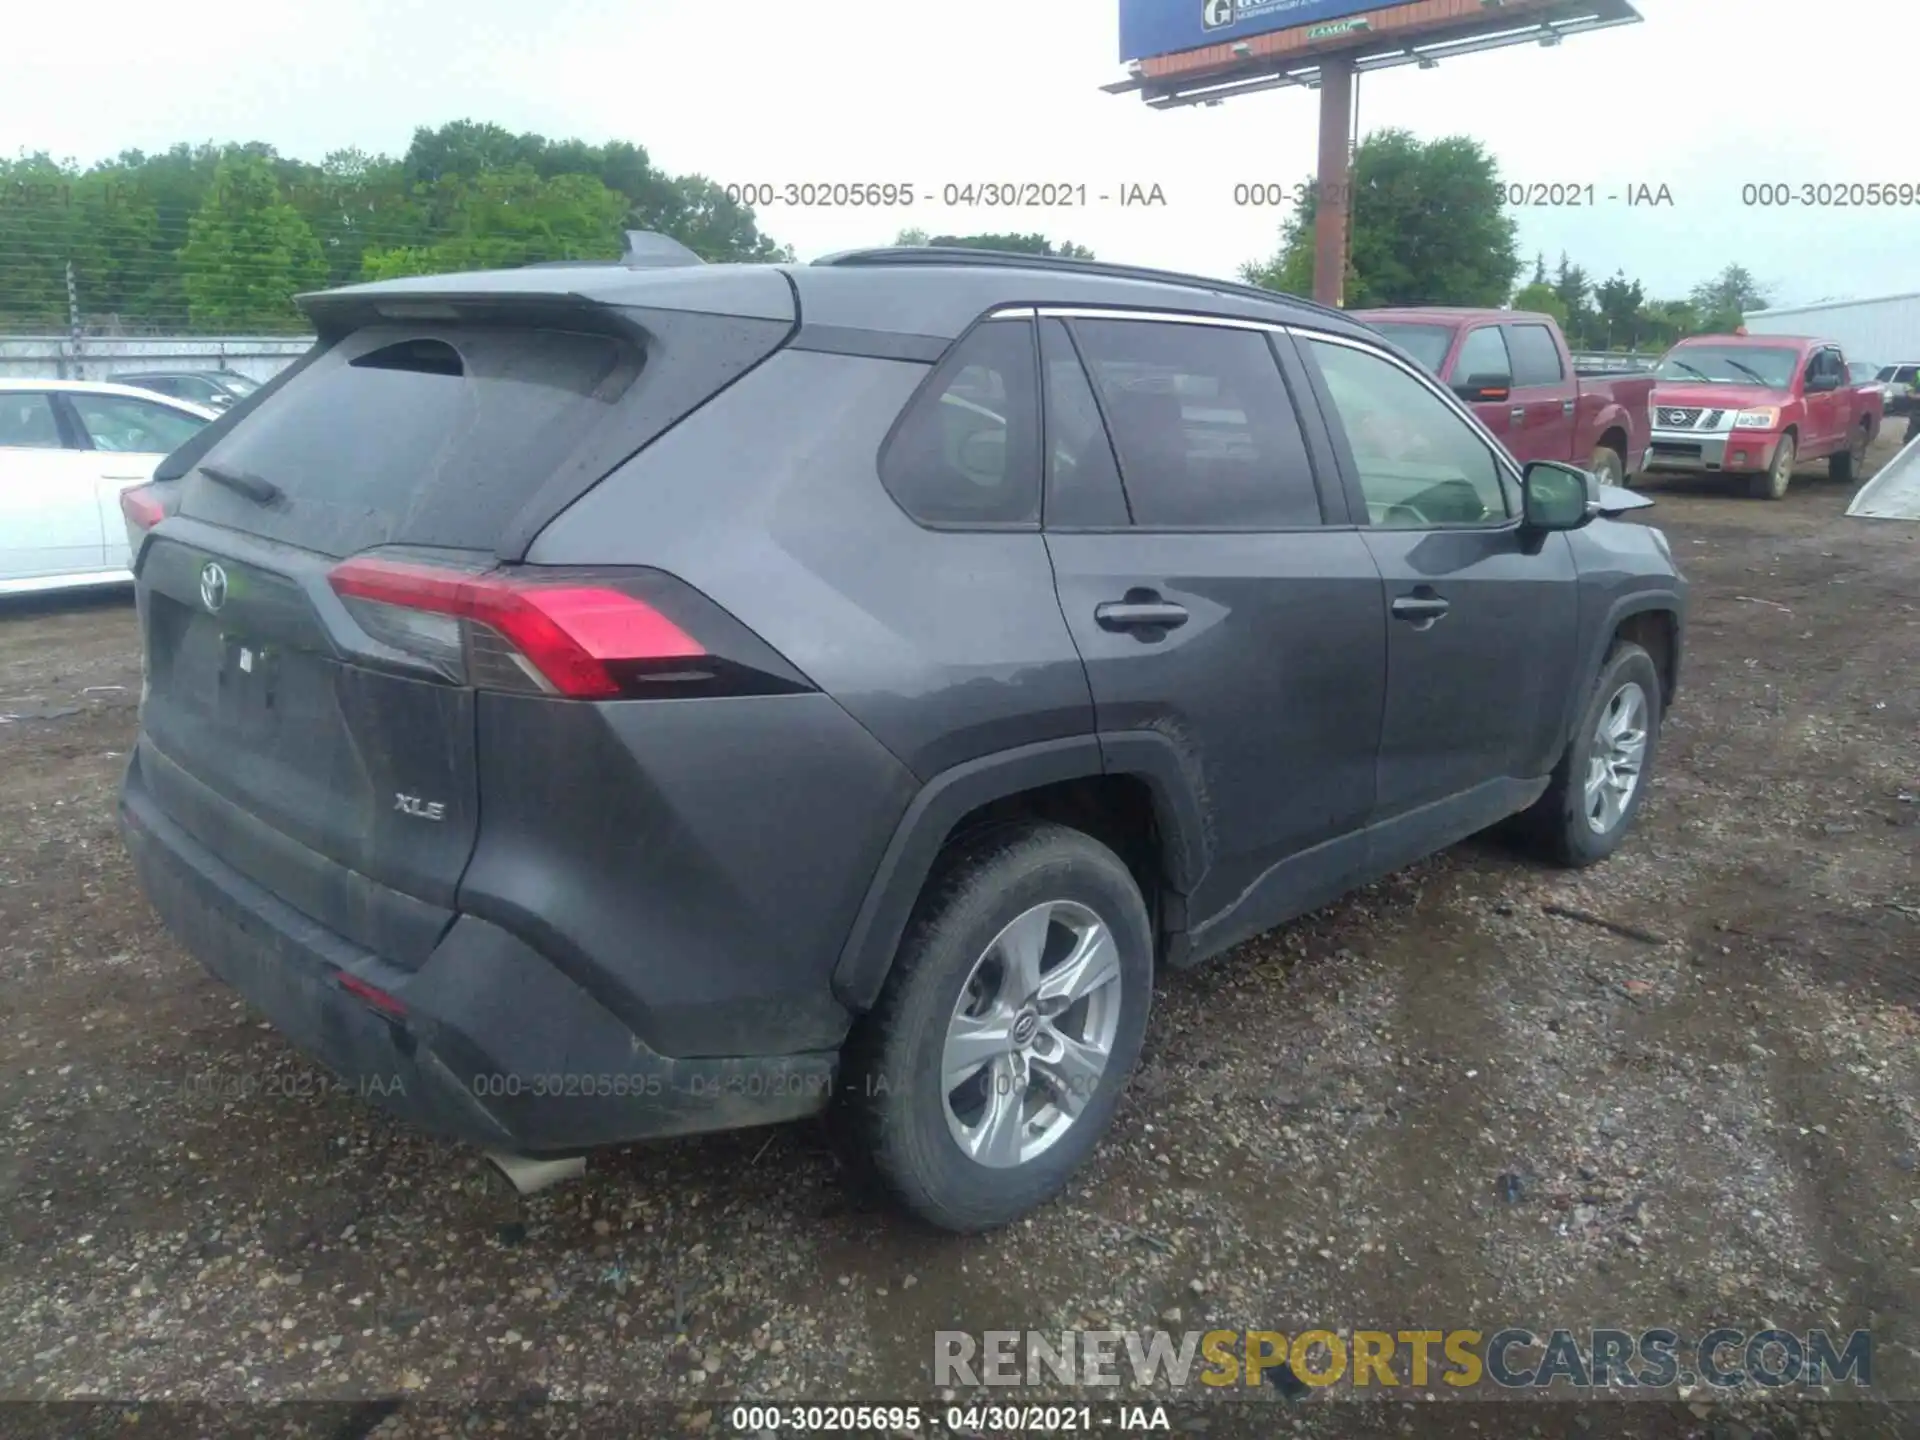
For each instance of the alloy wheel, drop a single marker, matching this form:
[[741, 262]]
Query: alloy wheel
[[1031, 1034], [1617, 759]]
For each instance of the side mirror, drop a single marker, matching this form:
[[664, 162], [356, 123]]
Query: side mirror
[[1555, 496], [1483, 388]]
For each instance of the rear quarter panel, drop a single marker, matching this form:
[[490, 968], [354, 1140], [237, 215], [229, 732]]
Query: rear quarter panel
[[945, 645], [1616, 405]]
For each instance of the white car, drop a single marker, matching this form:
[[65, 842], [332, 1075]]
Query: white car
[[67, 450]]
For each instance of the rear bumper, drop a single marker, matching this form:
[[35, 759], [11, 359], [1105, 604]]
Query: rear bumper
[[1704, 452], [494, 1046]]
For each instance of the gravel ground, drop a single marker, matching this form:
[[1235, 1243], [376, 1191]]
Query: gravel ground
[[1440, 1103]]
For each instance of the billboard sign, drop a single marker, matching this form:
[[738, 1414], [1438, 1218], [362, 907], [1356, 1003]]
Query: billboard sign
[[1164, 27]]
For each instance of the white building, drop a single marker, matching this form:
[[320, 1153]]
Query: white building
[[1881, 332]]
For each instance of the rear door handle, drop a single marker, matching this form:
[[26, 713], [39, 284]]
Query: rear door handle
[[1517, 414], [1567, 407], [1140, 615], [1420, 610]]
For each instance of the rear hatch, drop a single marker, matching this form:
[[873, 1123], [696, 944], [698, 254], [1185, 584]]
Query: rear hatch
[[335, 580]]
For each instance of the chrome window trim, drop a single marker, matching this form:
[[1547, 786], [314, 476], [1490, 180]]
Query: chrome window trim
[[1504, 463]]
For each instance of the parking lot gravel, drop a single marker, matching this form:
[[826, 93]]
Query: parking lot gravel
[[1681, 1089]]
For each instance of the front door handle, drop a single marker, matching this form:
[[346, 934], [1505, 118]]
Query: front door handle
[[1517, 414], [1420, 609], [1567, 407], [1140, 614]]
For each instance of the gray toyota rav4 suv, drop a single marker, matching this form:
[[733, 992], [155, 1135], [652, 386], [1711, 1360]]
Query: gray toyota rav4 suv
[[594, 702]]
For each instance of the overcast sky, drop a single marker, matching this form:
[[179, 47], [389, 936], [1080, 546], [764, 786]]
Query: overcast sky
[[1704, 97]]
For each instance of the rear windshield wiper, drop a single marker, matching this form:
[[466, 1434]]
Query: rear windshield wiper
[[251, 486]]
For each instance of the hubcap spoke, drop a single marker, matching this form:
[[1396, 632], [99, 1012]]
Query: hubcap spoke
[[973, 1041], [1617, 758], [1070, 1069], [1092, 963], [1021, 946], [996, 1139]]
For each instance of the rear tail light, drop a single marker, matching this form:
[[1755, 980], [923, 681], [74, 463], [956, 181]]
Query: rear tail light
[[143, 507], [588, 635]]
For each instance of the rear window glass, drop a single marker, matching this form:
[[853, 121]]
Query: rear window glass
[[1536, 359], [1426, 343], [428, 438]]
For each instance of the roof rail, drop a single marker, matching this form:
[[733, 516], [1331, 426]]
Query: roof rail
[[1014, 259], [646, 250]]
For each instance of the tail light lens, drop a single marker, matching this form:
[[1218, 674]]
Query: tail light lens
[[143, 507], [586, 635]]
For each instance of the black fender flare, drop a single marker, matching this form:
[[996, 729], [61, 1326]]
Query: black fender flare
[[867, 956], [1640, 602]]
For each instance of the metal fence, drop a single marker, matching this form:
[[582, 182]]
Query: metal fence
[[61, 357]]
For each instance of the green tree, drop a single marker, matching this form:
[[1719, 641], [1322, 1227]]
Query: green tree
[[248, 252], [1618, 302], [37, 231], [358, 202], [142, 230], [1571, 285], [691, 208], [1428, 227], [699, 214], [1020, 244], [503, 218], [1724, 301], [1539, 296]]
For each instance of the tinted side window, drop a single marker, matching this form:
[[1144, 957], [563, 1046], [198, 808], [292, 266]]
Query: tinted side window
[[1205, 430], [1419, 464], [1483, 352], [26, 421], [1083, 482], [967, 451], [1536, 359]]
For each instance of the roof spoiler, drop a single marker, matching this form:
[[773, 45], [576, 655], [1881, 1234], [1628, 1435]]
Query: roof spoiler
[[646, 250]]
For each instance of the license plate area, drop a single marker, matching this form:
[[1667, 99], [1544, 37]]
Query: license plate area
[[248, 685]]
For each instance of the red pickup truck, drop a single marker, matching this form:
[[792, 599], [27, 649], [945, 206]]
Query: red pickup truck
[[1513, 367], [1757, 405]]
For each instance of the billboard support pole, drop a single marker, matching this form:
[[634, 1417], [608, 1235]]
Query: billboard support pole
[[1334, 190]]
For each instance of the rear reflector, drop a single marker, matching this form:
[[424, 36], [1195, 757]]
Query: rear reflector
[[583, 638], [372, 994]]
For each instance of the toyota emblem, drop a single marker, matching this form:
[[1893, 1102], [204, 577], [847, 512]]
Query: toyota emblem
[[213, 585]]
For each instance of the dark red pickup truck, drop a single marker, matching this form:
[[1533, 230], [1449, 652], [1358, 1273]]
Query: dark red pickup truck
[[1513, 367]]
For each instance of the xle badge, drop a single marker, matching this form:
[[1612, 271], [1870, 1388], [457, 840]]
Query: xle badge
[[420, 809]]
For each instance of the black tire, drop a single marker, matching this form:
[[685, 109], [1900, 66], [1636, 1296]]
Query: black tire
[[1557, 825], [1772, 482], [1844, 465], [892, 1092], [1609, 464]]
